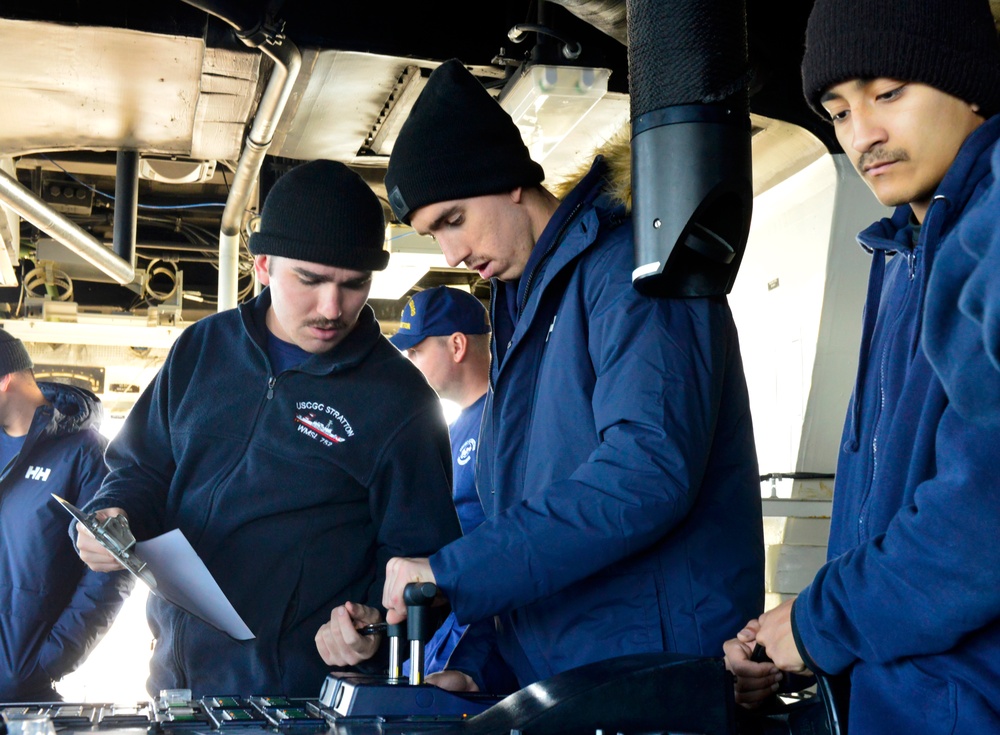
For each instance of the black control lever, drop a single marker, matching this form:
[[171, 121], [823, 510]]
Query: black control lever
[[759, 655], [418, 596]]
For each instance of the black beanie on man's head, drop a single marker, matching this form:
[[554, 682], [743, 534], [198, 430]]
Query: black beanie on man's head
[[323, 212], [13, 356], [457, 142], [951, 46]]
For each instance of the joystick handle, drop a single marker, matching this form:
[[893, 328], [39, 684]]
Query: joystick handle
[[418, 596]]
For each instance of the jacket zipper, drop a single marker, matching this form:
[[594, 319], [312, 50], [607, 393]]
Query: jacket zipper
[[555, 241], [911, 265]]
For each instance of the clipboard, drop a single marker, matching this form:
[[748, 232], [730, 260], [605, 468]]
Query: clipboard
[[174, 571], [114, 535]]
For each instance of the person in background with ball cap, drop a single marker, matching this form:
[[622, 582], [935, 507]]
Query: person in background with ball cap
[[290, 443], [445, 332]]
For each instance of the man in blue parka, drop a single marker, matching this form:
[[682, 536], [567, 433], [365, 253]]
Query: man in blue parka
[[908, 604], [293, 446], [55, 610], [616, 462]]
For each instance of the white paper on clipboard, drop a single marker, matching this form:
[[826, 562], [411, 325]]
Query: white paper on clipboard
[[183, 579]]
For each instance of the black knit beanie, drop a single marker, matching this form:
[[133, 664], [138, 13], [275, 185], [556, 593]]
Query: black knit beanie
[[323, 212], [951, 46], [13, 357], [457, 142]]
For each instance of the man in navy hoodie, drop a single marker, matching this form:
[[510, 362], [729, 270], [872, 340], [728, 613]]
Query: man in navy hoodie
[[55, 610], [908, 604], [294, 447], [616, 464]]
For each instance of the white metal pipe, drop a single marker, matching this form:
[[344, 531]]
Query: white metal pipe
[[36, 211], [288, 61]]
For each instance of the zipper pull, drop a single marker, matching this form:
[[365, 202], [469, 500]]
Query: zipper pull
[[270, 387]]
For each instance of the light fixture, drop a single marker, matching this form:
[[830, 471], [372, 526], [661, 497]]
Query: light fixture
[[410, 257], [95, 329], [175, 170], [547, 102]]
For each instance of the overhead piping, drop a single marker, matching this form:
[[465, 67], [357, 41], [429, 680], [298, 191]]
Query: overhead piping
[[288, 61], [36, 211], [126, 205]]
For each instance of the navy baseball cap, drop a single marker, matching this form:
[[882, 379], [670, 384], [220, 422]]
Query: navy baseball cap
[[438, 312]]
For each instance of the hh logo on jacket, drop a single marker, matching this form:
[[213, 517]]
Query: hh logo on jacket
[[38, 473]]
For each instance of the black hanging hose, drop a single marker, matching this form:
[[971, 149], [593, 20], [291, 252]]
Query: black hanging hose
[[691, 181]]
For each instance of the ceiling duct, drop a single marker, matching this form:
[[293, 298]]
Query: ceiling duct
[[46, 219], [126, 205]]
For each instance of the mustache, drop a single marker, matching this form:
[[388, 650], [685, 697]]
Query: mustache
[[881, 155], [327, 324]]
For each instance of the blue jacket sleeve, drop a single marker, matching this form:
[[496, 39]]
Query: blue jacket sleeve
[[413, 482], [478, 655], [140, 460], [933, 576], [97, 598]]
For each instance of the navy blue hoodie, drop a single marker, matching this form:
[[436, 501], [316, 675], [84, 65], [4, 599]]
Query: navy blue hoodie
[[55, 610], [295, 489], [909, 602]]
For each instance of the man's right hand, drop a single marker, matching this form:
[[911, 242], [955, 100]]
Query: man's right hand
[[93, 554], [399, 572]]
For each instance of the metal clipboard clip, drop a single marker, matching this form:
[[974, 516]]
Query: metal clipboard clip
[[114, 535]]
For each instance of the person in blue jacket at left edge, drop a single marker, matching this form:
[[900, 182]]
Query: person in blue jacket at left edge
[[54, 610], [617, 465]]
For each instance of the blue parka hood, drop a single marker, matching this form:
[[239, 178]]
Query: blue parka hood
[[75, 409]]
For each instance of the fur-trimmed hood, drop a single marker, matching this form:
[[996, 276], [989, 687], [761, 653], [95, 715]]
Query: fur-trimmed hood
[[617, 152]]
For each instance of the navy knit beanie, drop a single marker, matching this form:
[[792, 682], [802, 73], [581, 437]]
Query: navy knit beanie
[[322, 212], [13, 357], [951, 46], [457, 142]]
